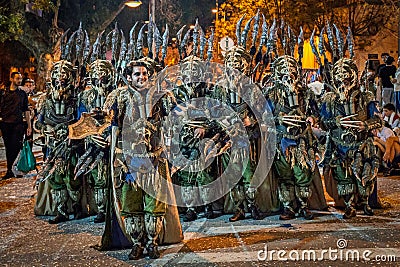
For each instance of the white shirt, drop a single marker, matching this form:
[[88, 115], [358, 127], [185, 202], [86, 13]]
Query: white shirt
[[385, 133], [392, 122]]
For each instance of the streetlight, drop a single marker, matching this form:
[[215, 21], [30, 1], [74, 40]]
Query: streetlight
[[132, 3]]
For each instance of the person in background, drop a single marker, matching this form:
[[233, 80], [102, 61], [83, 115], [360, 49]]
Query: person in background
[[381, 135], [378, 95], [384, 56], [386, 73], [13, 105], [390, 115], [396, 84], [28, 87]]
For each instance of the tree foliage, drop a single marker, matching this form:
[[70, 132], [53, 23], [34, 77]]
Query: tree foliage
[[10, 24]]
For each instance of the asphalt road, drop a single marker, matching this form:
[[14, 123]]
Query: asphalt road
[[328, 240]]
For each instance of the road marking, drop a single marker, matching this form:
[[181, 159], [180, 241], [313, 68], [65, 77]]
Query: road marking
[[172, 251], [193, 230]]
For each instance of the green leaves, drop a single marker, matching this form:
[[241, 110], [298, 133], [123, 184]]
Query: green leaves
[[10, 24]]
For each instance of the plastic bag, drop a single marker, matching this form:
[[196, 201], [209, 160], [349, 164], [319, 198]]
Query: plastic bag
[[27, 161]]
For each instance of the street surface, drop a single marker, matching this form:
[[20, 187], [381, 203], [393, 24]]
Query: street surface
[[328, 240]]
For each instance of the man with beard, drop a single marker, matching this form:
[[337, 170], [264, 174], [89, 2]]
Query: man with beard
[[142, 167], [13, 105]]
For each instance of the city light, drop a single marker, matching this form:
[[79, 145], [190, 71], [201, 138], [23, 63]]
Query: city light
[[131, 3]]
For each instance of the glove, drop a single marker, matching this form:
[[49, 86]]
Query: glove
[[130, 178]]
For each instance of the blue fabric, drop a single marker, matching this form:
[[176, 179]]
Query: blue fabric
[[270, 106], [130, 178], [286, 142], [118, 238], [114, 121], [343, 150], [41, 118], [81, 109], [372, 109], [178, 109], [325, 114]]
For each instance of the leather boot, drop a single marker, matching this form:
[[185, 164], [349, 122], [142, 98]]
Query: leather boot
[[99, 195], [75, 195], [251, 199], [349, 212], [255, 213], [209, 213], [78, 211], [306, 214], [190, 215], [152, 251], [238, 196], [100, 218], [136, 252], [287, 214], [58, 219], [60, 198], [153, 225], [286, 193], [239, 215], [367, 210], [134, 226]]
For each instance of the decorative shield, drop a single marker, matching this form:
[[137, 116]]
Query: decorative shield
[[86, 126]]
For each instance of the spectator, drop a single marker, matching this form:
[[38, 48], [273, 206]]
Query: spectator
[[396, 84], [383, 139], [383, 133], [390, 115], [13, 104], [29, 87], [378, 95], [384, 56], [386, 73]]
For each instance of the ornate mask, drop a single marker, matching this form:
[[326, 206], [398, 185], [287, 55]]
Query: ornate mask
[[287, 72], [101, 75], [344, 77], [237, 58], [61, 80]]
